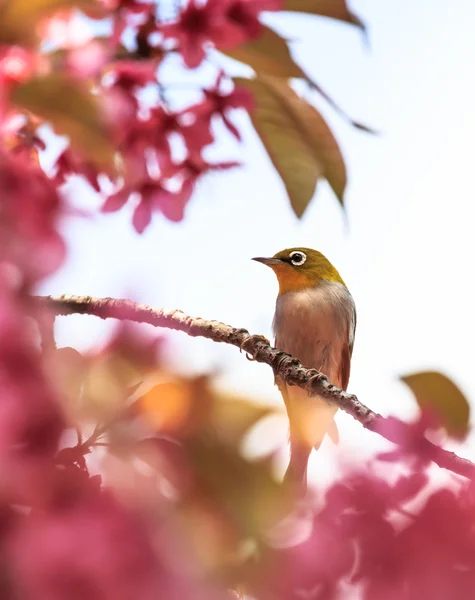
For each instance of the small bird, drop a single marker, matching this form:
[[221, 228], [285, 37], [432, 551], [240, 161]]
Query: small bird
[[314, 321]]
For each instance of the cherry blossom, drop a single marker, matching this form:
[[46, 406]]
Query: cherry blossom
[[221, 23]]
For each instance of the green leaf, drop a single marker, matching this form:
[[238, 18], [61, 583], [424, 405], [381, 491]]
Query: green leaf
[[246, 490], [232, 417], [435, 391], [334, 9], [19, 18], [297, 139], [69, 369], [72, 110], [268, 54]]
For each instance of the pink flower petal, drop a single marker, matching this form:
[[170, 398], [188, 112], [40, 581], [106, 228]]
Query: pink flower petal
[[116, 201], [232, 128], [142, 216]]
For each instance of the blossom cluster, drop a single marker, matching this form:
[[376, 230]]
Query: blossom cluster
[[62, 533], [143, 135]]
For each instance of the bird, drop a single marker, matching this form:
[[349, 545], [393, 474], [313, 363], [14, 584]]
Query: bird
[[315, 322]]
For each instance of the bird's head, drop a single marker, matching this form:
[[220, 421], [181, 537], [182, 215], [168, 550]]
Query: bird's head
[[300, 268]]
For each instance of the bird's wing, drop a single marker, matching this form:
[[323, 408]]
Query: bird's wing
[[345, 363]]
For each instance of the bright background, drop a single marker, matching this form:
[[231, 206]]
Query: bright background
[[408, 251]]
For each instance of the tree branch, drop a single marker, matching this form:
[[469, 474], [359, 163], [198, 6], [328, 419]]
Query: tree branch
[[258, 348]]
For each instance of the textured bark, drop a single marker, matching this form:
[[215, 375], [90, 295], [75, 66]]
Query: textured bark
[[259, 349]]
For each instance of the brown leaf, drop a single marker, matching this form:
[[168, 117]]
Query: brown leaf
[[182, 406], [334, 9], [176, 406], [19, 18], [72, 110], [297, 139], [268, 54], [437, 392]]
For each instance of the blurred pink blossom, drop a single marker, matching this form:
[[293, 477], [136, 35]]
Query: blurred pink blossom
[[66, 29]]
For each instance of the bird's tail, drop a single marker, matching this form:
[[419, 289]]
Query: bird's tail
[[310, 419], [296, 474]]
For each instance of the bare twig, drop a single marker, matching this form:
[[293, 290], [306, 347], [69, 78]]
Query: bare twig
[[258, 348]]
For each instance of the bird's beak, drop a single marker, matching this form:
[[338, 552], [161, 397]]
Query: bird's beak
[[270, 262]]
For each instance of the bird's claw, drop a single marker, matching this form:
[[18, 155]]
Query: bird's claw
[[252, 339]]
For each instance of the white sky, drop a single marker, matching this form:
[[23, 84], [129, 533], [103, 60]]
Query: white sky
[[407, 257]]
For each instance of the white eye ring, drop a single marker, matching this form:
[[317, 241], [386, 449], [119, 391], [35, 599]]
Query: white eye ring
[[300, 258]]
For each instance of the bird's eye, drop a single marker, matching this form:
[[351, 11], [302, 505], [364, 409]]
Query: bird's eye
[[297, 258]]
